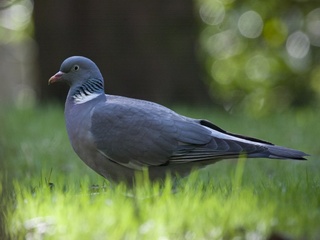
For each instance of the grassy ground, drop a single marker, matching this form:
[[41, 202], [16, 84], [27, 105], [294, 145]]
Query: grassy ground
[[233, 199]]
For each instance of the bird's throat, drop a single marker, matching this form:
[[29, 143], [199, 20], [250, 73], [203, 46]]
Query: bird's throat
[[88, 91]]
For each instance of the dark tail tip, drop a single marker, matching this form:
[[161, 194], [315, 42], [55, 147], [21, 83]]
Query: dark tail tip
[[286, 153]]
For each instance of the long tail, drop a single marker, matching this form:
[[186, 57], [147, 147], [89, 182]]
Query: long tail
[[279, 152], [267, 149]]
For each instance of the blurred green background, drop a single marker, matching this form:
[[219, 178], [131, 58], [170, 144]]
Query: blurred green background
[[262, 55], [254, 56]]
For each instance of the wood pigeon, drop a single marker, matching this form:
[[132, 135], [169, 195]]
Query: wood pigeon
[[117, 136]]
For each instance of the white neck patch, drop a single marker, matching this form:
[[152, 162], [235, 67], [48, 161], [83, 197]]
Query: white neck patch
[[218, 134], [82, 98]]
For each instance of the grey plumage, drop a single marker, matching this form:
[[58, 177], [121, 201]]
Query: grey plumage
[[117, 136]]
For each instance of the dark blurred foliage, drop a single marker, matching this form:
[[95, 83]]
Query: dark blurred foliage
[[262, 56], [144, 49]]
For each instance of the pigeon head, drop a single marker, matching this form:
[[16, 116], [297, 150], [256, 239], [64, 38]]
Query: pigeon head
[[84, 78], [76, 71]]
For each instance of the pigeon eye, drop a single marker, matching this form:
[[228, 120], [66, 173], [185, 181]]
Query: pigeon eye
[[76, 67]]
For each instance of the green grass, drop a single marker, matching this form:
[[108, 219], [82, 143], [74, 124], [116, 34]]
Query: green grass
[[243, 199]]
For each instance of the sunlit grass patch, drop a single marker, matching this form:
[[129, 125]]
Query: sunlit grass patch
[[191, 209]]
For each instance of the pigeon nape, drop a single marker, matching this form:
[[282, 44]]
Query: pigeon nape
[[118, 136]]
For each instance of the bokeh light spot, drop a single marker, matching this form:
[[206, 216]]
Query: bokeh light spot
[[17, 16], [221, 72], [298, 45], [250, 24], [224, 44], [212, 13], [258, 68], [313, 26]]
